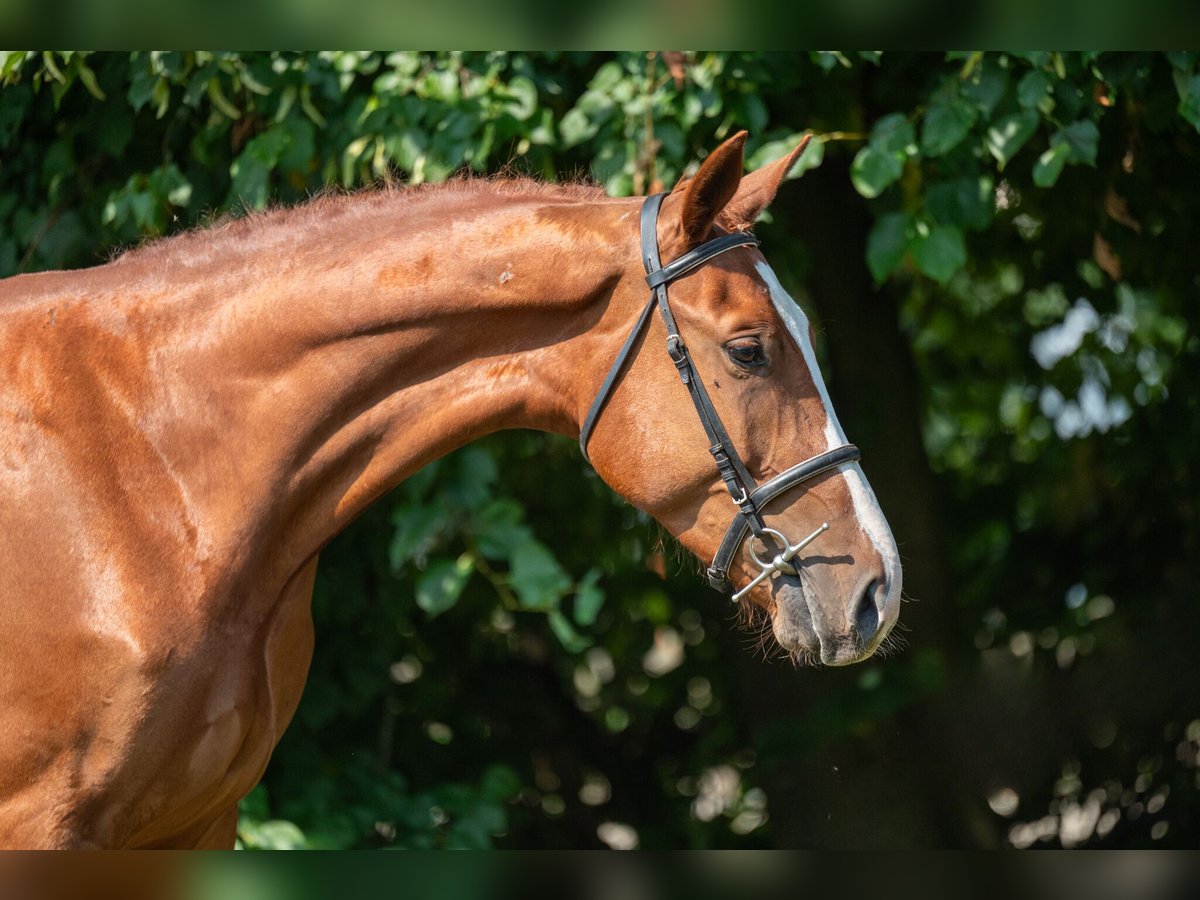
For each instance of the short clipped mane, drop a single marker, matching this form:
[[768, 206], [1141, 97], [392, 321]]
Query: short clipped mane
[[334, 204]]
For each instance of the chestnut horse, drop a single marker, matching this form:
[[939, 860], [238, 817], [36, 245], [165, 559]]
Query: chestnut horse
[[184, 428]]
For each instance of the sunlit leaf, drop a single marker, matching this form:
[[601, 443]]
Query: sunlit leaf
[[1033, 88], [893, 134], [1008, 135], [945, 125], [985, 85], [940, 253], [1050, 164], [440, 586], [589, 598], [874, 170], [538, 578], [572, 641]]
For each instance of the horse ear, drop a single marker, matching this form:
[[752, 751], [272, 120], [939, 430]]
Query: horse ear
[[706, 193], [757, 189]]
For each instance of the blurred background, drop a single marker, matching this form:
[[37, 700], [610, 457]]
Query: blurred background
[[1002, 256]]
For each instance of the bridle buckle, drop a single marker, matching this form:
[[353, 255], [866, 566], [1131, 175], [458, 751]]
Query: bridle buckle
[[676, 349]]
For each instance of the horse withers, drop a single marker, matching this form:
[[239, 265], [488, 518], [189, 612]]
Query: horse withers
[[184, 428]]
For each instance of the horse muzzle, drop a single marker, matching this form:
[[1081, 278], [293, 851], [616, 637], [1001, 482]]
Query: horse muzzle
[[818, 624]]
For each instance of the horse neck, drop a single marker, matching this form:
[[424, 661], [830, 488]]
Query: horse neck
[[351, 353]]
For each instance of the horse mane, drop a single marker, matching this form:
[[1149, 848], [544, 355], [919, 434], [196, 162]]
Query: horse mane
[[332, 203]]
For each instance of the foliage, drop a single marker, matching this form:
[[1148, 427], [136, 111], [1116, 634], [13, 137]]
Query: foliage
[[498, 653]]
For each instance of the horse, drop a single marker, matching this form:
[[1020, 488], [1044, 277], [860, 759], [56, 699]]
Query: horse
[[183, 428]]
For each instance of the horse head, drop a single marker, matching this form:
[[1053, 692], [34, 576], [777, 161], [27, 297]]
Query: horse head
[[810, 546]]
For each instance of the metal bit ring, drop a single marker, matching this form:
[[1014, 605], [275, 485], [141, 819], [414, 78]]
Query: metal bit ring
[[778, 562]]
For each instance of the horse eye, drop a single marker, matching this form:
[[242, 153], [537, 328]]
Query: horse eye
[[746, 353]]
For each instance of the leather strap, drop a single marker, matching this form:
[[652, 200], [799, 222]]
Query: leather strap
[[718, 572], [614, 372], [695, 258]]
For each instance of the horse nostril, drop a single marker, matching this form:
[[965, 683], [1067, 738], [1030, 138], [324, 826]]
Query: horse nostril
[[866, 613]]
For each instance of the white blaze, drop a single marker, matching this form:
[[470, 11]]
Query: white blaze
[[866, 507]]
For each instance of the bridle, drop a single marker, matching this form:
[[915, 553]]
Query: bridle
[[749, 496]]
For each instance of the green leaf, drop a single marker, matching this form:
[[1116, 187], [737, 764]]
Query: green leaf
[[576, 128], [440, 586], [985, 86], [251, 171], [607, 77], [300, 147], [537, 577], [874, 170], [572, 641], [168, 182], [499, 783], [52, 67], [114, 129], [1008, 135], [829, 60], [276, 834], [893, 134], [255, 806], [1050, 164], [309, 108], [1083, 139], [940, 252], [418, 526], [1189, 101], [945, 125], [144, 208], [1183, 60], [11, 65], [589, 598], [216, 94], [499, 529], [965, 202], [407, 146], [474, 830], [88, 77], [475, 475], [1033, 88], [524, 98], [881, 162], [887, 243], [141, 88]]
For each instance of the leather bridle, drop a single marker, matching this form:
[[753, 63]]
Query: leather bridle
[[749, 496]]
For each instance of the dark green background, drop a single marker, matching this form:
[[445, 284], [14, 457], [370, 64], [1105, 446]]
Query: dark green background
[[1001, 252]]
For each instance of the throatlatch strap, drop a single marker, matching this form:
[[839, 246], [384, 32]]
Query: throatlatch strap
[[614, 372]]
